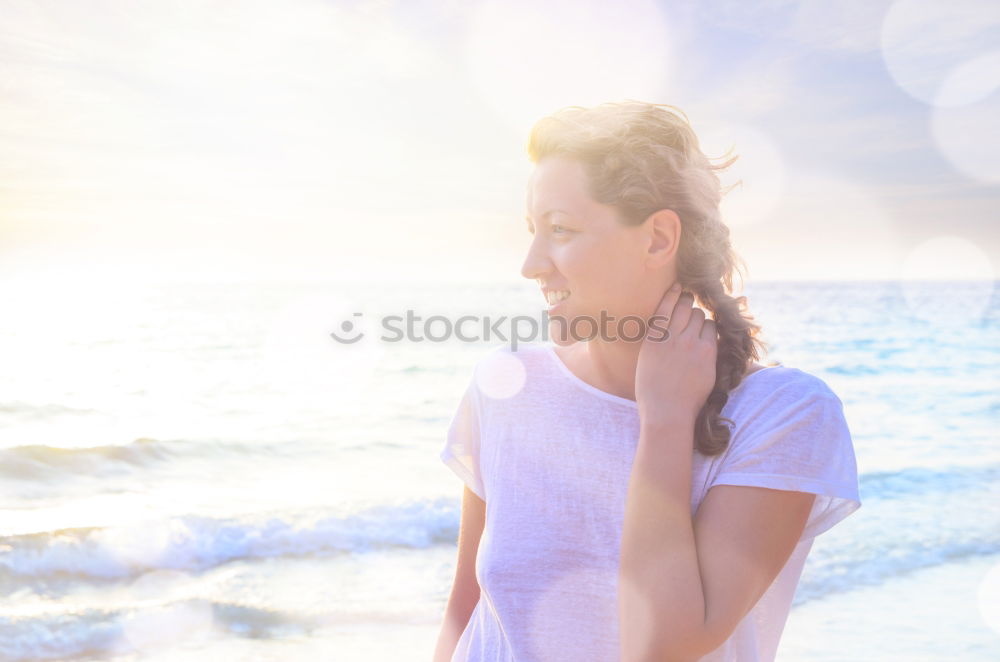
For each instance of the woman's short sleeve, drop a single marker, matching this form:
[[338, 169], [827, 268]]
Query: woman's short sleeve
[[461, 449], [797, 439]]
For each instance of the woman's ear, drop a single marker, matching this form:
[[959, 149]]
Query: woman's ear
[[664, 237]]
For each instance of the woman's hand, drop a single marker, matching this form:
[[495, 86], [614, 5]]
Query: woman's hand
[[676, 369]]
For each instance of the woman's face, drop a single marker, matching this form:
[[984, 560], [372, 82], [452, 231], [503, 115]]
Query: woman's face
[[579, 246]]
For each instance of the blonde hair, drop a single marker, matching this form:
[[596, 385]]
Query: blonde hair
[[643, 157]]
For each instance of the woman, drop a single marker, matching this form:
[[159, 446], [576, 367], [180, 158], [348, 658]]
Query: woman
[[647, 492]]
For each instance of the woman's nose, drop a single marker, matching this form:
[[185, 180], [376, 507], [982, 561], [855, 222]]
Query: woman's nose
[[536, 262]]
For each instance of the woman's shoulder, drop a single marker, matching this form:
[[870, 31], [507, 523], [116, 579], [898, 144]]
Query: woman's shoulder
[[787, 412], [777, 381]]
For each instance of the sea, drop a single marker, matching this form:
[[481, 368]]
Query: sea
[[201, 471]]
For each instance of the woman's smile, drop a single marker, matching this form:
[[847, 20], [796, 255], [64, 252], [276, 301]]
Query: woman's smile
[[555, 298]]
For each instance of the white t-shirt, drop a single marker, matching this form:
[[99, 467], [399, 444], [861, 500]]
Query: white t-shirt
[[551, 455]]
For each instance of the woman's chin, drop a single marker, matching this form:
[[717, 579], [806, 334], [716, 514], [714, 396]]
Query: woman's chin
[[559, 331]]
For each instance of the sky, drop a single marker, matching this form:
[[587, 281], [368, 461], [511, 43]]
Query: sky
[[384, 140]]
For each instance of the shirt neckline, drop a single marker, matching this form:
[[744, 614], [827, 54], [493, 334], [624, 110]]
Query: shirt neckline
[[590, 388]]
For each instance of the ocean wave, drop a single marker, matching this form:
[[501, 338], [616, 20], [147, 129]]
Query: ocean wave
[[77, 633], [910, 520], [924, 481], [196, 543], [834, 572], [45, 412], [39, 462]]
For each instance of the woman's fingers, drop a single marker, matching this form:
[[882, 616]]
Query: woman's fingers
[[696, 317], [665, 312], [709, 331], [682, 313], [678, 309]]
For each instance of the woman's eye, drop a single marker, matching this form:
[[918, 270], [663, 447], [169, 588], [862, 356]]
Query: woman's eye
[[557, 228]]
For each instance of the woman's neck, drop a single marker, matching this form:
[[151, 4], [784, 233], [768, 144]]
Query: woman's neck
[[608, 366]]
